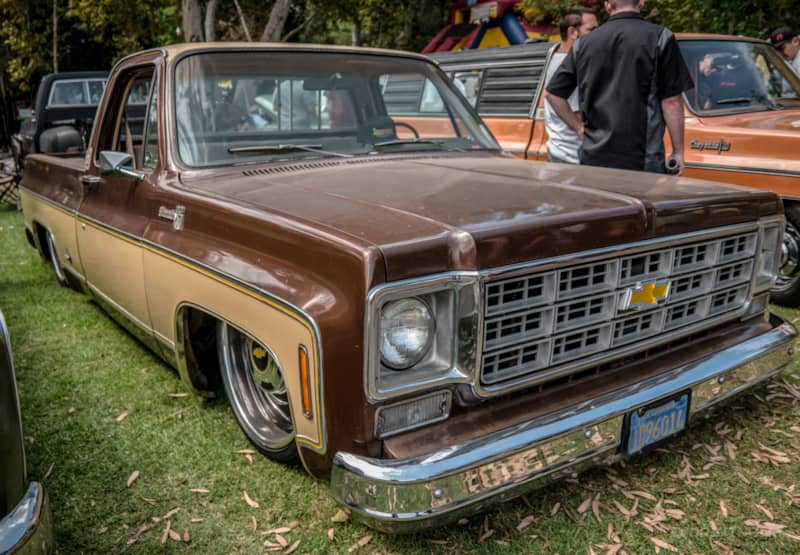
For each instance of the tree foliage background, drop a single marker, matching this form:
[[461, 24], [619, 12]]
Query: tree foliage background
[[93, 34], [752, 18]]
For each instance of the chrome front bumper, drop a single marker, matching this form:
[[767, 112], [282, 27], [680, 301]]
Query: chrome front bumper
[[28, 528], [405, 495]]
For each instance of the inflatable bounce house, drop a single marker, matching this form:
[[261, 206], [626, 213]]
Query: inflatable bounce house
[[483, 24]]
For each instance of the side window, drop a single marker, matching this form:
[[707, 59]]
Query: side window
[[96, 91], [150, 156], [469, 83], [124, 124], [431, 102], [68, 93]]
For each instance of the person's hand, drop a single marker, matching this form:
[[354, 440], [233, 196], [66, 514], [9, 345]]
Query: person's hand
[[580, 132], [678, 158]]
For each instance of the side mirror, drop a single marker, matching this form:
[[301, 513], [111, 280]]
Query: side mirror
[[117, 164]]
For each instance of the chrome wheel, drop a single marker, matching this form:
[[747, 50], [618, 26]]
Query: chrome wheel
[[52, 253], [257, 392], [786, 290]]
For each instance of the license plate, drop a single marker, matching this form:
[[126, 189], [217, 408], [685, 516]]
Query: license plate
[[656, 423]]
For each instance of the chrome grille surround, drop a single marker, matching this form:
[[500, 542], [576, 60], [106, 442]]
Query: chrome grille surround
[[548, 320]]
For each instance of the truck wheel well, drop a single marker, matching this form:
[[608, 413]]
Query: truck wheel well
[[199, 349], [41, 240]]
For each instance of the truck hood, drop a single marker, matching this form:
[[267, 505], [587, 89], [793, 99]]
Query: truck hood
[[769, 140], [429, 215]]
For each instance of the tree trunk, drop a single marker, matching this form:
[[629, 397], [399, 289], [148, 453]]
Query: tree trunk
[[55, 38], [277, 19], [355, 33], [192, 21], [211, 21]]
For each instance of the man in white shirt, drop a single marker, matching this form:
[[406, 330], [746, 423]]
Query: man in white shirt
[[786, 41], [562, 142]]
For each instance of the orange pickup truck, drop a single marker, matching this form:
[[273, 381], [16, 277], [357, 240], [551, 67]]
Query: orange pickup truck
[[742, 120]]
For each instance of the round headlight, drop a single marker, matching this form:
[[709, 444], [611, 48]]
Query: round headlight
[[407, 329]]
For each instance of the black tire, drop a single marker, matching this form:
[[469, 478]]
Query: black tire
[[786, 291], [55, 262], [257, 393]]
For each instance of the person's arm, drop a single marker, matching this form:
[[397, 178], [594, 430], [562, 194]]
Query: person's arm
[[564, 111], [672, 109]]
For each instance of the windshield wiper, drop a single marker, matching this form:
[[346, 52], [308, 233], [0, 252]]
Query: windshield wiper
[[396, 142], [287, 147]]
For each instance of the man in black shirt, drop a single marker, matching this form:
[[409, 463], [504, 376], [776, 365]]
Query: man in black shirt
[[630, 76]]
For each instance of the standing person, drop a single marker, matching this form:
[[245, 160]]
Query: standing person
[[786, 41], [563, 143], [630, 76]]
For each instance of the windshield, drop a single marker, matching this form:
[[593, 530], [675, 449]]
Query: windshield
[[732, 76], [234, 107]]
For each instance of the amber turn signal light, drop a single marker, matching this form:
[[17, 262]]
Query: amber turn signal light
[[305, 380]]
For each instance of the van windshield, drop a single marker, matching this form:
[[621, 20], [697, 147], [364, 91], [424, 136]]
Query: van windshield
[[242, 107], [734, 77]]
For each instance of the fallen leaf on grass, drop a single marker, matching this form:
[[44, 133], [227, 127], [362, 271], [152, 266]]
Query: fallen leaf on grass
[[725, 549], [766, 511], [583, 507], [555, 509], [281, 530], [644, 495], [527, 521], [149, 500], [132, 478], [723, 508], [172, 513], [199, 490], [49, 470], [765, 528], [596, 508], [186, 537], [663, 545], [293, 547], [360, 543], [340, 516], [330, 534], [70, 410], [122, 416], [142, 529], [255, 524], [249, 501], [178, 395], [197, 520], [174, 536], [165, 534], [281, 540], [463, 521], [485, 536]]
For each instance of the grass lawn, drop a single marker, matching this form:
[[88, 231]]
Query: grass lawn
[[134, 465]]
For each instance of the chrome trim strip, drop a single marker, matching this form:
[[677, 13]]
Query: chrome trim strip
[[584, 257], [742, 169], [404, 495]]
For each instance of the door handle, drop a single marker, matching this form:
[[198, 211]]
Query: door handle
[[90, 181]]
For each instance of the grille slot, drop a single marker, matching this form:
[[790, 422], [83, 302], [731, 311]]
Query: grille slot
[[549, 326]]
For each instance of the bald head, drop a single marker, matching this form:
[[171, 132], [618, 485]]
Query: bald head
[[616, 6]]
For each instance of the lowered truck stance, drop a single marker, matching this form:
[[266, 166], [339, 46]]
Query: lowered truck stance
[[393, 301]]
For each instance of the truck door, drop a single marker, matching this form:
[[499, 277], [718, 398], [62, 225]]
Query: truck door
[[113, 213]]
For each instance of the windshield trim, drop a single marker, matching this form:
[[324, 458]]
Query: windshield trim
[[171, 111]]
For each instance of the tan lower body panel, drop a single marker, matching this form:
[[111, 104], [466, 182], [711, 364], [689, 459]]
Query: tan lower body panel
[[60, 222], [172, 282]]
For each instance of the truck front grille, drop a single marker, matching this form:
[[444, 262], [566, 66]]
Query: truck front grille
[[545, 325]]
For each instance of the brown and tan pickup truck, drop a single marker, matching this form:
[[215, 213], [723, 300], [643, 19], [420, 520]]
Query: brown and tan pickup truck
[[394, 301], [742, 120]]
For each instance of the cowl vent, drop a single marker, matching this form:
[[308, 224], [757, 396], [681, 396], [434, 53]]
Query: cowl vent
[[302, 166]]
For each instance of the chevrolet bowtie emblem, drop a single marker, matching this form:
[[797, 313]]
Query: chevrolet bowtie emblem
[[645, 294]]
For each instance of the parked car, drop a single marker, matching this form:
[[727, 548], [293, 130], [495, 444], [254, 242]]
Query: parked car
[[63, 112], [394, 301], [25, 522], [742, 122]]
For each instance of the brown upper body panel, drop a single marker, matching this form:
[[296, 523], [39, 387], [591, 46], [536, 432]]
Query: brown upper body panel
[[456, 212]]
